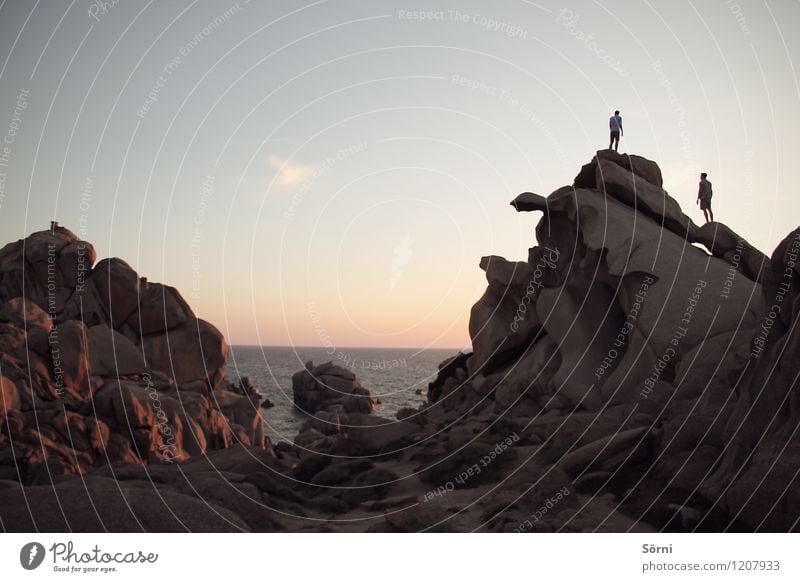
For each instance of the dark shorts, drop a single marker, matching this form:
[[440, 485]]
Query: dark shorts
[[614, 135], [705, 204]]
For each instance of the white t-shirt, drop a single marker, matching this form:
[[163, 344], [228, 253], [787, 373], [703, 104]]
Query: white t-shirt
[[705, 190], [615, 123]]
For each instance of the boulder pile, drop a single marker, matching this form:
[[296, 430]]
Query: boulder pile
[[99, 366]]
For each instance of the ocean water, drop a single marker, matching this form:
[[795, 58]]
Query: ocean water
[[391, 374]]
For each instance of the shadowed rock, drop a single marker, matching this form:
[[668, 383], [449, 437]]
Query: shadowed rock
[[641, 167], [110, 508], [503, 320], [327, 385], [722, 242], [529, 202]]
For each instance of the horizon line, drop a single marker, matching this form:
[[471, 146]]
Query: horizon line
[[461, 349]]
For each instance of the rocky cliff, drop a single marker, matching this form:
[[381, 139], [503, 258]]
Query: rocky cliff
[[636, 373]]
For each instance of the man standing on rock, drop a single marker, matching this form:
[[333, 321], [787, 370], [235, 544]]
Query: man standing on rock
[[704, 194], [615, 125]]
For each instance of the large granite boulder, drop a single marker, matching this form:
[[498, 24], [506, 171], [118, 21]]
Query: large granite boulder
[[628, 310], [29, 268], [757, 475], [504, 320], [196, 350], [321, 387], [113, 354], [25, 314], [117, 287], [161, 308], [724, 243], [641, 167], [69, 359], [9, 396]]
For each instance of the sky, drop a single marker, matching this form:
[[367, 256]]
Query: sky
[[331, 173]]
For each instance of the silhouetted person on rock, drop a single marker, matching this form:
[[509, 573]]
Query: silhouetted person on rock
[[615, 125], [704, 194]]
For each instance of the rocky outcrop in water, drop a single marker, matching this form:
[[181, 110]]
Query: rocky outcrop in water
[[331, 388]]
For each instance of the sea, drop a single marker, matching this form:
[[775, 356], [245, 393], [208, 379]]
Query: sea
[[399, 377]]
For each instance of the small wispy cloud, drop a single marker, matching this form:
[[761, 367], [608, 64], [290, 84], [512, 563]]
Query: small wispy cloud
[[290, 173], [402, 256]]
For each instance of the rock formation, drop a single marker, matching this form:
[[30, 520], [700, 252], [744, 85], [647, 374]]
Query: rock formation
[[100, 366], [331, 388], [636, 373]]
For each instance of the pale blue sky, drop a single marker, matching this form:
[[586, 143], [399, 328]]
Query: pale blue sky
[[362, 159]]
